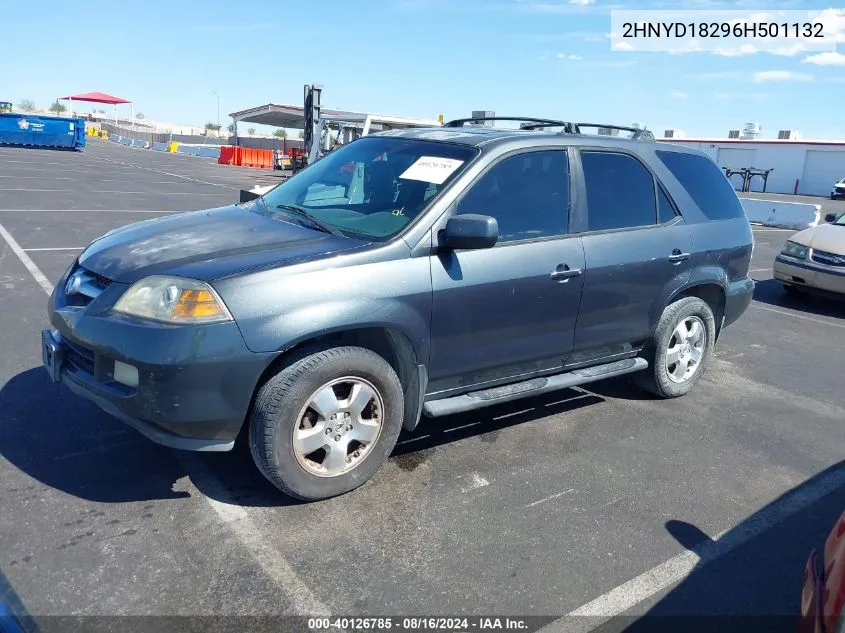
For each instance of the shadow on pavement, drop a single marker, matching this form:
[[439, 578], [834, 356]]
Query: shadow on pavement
[[771, 292], [751, 577], [67, 443]]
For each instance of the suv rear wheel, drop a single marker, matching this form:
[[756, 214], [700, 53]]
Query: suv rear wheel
[[325, 424], [680, 348]]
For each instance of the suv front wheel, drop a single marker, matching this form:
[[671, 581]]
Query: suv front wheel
[[325, 424], [680, 348]]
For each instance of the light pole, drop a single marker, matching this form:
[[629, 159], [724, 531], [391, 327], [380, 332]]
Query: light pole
[[218, 111]]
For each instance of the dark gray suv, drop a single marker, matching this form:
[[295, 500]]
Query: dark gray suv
[[408, 273]]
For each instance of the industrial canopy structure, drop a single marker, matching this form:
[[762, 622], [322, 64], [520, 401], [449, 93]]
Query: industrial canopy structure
[[292, 116]]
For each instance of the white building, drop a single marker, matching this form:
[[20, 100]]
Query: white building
[[799, 166]]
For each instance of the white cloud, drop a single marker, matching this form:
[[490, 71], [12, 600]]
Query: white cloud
[[614, 64], [826, 59], [570, 56], [621, 46], [240, 28], [745, 49], [740, 96], [833, 21], [725, 74], [678, 94], [780, 75], [548, 7]]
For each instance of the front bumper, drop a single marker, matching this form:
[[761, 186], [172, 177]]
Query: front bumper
[[810, 275], [195, 383]]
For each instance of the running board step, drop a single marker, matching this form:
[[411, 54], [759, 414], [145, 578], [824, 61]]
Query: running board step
[[529, 388]]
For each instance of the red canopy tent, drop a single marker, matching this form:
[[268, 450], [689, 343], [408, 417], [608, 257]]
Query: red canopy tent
[[96, 97]]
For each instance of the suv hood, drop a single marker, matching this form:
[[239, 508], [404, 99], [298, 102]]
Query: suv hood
[[206, 245], [824, 237]]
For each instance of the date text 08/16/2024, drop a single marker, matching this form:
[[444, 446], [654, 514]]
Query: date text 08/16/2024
[[418, 624]]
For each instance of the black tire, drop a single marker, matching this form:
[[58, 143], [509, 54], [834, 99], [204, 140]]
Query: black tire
[[276, 410], [791, 291], [656, 378]]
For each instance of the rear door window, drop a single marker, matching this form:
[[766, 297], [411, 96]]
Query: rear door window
[[705, 183], [620, 191]]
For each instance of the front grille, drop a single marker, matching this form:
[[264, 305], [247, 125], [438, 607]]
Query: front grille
[[828, 259], [83, 286], [81, 357]]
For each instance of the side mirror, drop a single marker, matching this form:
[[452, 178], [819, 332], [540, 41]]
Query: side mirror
[[470, 232], [830, 217]]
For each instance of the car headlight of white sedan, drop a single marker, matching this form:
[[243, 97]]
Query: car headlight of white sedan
[[793, 249], [173, 300]]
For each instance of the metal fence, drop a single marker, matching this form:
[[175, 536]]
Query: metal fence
[[143, 134]]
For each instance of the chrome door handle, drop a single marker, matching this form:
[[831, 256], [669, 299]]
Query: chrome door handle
[[677, 256], [564, 273]]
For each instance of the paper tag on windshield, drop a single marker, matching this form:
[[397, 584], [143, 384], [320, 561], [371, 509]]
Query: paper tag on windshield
[[431, 169]]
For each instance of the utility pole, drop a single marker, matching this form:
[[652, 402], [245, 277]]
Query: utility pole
[[218, 111]]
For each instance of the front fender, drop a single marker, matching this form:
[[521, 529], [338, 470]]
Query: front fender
[[276, 310]]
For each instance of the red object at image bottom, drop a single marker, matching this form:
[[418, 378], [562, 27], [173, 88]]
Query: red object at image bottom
[[823, 595]]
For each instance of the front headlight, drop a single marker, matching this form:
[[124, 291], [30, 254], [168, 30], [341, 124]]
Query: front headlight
[[173, 300], [793, 249]]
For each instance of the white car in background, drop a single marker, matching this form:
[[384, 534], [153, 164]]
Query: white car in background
[[838, 190]]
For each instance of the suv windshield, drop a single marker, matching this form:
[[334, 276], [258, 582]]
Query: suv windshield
[[373, 187]]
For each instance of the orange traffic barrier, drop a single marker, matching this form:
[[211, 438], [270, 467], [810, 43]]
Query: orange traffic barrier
[[229, 155], [246, 157], [265, 158]]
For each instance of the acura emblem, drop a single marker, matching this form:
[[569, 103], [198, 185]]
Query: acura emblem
[[73, 284]]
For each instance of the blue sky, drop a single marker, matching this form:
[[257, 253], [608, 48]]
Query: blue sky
[[416, 58]]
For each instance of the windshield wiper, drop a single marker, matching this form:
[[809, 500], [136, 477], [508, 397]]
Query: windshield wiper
[[318, 224]]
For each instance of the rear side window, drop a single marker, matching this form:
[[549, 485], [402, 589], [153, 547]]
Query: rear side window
[[705, 183], [620, 191], [665, 208]]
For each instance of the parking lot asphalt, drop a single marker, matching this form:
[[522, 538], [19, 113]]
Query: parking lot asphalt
[[601, 499]]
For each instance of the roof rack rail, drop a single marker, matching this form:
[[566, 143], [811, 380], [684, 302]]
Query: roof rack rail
[[639, 134], [533, 123]]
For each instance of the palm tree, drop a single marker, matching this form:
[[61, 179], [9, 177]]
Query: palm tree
[[281, 133], [57, 107], [251, 131]]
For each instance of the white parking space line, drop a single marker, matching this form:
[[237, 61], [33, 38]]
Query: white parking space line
[[619, 600], [760, 270], [148, 193], [166, 173], [151, 182], [760, 229], [38, 190], [126, 170], [26, 261], [549, 498], [83, 211], [235, 517], [56, 248], [798, 316]]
